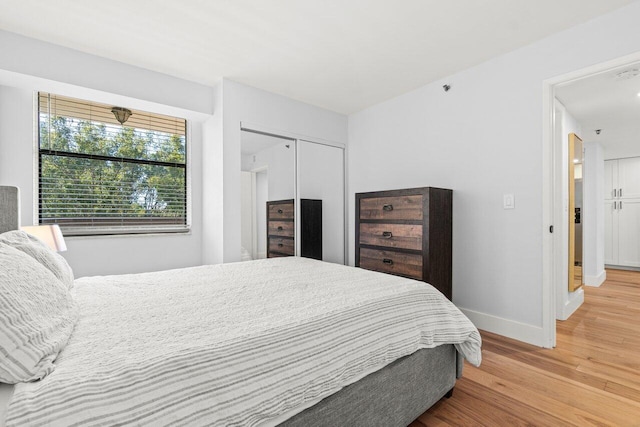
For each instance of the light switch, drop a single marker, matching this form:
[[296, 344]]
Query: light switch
[[508, 201]]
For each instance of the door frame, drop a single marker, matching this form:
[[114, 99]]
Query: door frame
[[552, 242]]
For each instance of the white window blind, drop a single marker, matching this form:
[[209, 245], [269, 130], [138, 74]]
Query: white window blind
[[97, 176]]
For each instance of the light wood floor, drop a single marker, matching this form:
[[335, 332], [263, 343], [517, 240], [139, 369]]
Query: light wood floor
[[592, 377]]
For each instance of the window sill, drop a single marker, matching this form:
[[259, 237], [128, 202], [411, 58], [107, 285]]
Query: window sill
[[82, 234]]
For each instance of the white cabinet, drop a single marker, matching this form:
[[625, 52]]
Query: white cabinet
[[609, 185], [622, 212], [628, 232], [629, 178], [610, 233]]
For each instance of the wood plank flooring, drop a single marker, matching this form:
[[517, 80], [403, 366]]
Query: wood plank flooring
[[592, 377]]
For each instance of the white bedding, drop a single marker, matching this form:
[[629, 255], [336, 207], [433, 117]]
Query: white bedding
[[234, 344], [5, 394]]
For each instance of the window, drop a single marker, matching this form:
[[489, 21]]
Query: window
[[98, 176]]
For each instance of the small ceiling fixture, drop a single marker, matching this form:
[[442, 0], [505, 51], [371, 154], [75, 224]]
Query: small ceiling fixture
[[122, 114], [628, 74]]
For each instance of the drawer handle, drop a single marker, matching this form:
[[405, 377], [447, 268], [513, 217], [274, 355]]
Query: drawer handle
[[387, 208], [388, 261], [280, 245], [280, 228], [280, 211], [387, 234]]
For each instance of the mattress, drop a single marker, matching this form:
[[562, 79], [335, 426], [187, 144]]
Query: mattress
[[249, 343]]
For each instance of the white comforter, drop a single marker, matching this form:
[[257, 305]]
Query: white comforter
[[235, 344]]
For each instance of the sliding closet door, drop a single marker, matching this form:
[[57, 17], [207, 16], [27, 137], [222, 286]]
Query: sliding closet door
[[320, 170], [269, 165]]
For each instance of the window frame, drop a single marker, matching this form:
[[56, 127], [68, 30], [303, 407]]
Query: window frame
[[184, 225]]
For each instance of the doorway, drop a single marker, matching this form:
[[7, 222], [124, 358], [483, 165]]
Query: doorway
[[583, 96]]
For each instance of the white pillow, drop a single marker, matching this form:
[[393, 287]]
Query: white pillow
[[42, 253], [37, 316]]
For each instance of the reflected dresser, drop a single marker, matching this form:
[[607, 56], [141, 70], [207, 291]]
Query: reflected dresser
[[406, 233], [281, 226]]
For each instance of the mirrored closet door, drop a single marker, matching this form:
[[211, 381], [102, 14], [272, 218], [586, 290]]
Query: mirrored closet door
[[321, 177], [293, 199]]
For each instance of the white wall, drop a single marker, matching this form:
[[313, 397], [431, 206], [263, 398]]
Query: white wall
[[28, 59], [221, 186], [483, 138], [213, 184], [26, 66], [594, 272], [621, 151]]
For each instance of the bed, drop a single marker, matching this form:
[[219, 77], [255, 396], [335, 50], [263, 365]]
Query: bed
[[288, 341]]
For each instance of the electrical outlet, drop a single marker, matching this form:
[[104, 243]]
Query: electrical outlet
[[508, 201]]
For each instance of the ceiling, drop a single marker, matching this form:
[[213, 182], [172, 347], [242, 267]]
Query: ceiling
[[343, 55], [609, 101]]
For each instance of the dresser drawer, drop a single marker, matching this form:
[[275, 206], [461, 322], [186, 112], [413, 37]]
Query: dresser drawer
[[409, 265], [281, 228], [281, 211], [281, 245], [395, 207], [277, 255], [406, 236]]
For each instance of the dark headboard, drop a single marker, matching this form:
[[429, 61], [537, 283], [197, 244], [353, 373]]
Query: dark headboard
[[9, 208]]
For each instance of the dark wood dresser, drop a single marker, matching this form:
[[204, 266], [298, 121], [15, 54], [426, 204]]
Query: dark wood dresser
[[406, 233], [281, 228]]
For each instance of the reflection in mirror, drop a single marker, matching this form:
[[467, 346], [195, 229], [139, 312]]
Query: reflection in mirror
[[321, 179], [285, 214], [576, 163], [268, 174], [578, 173]]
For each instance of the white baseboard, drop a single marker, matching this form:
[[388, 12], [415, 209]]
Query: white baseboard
[[575, 301], [621, 267], [506, 327], [596, 280]]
